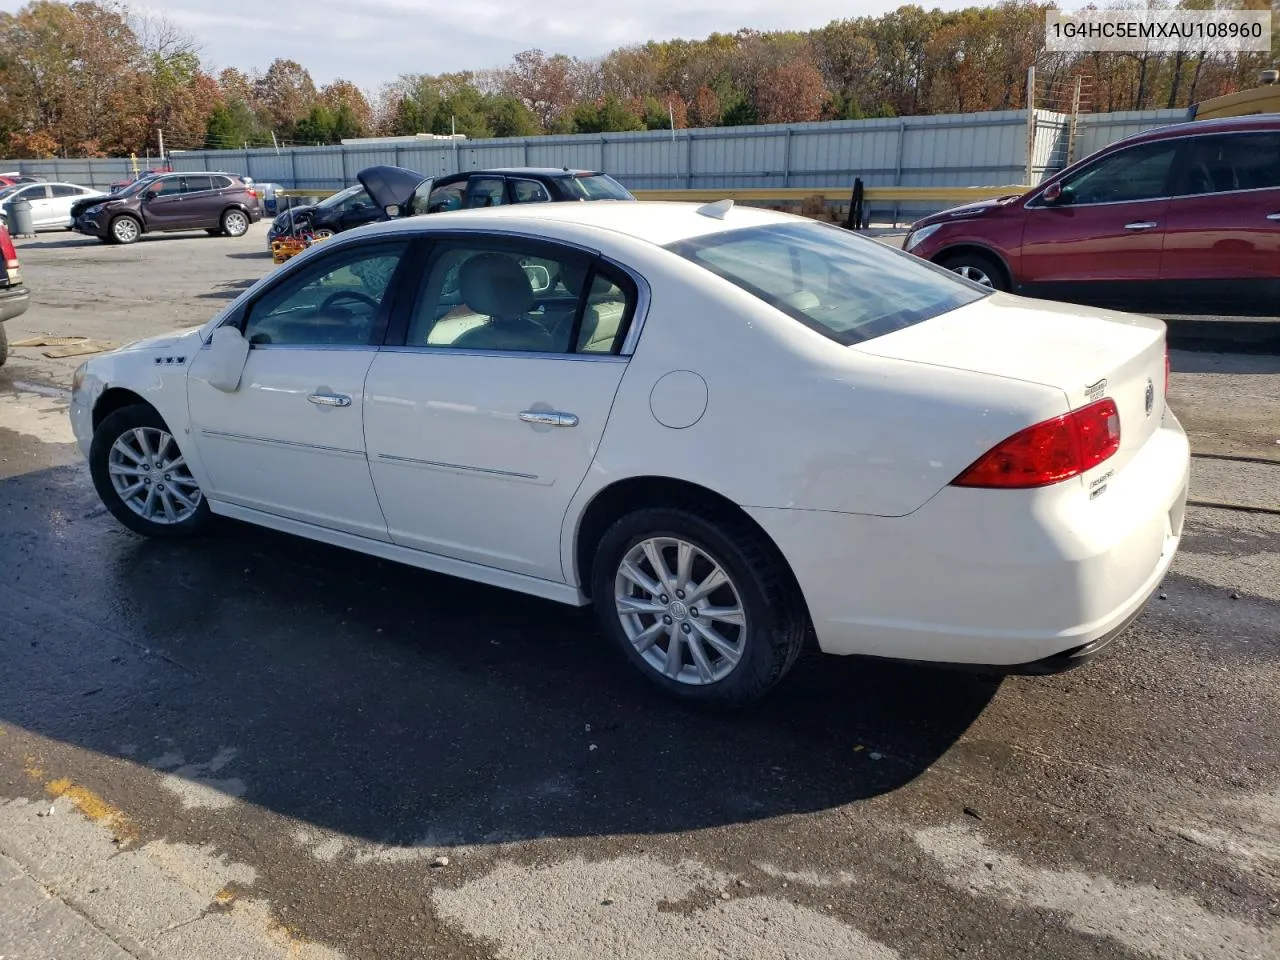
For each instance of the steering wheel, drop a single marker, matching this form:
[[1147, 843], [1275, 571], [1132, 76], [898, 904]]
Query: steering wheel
[[349, 295]]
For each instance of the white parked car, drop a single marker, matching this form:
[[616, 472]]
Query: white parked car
[[732, 431], [50, 202]]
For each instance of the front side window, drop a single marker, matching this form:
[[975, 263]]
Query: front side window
[[521, 297], [844, 286], [1228, 162], [166, 187], [337, 300], [1138, 173], [487, 192], [35, 193], [447, 196]]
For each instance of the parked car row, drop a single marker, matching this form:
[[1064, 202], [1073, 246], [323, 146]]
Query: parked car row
[[353, 207], [1184, 218]]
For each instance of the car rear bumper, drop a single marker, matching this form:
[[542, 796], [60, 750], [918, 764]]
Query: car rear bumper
[[14, 302], [1027, 581]]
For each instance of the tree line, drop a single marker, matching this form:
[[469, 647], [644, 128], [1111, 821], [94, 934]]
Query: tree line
[[94, 78]]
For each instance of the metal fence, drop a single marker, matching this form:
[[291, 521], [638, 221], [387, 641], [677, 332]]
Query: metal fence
[[934, 151]]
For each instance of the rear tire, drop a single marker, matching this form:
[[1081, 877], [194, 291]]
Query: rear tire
[[978, 267], [142, 476], [235, 223], [733, 643], [4, 345]]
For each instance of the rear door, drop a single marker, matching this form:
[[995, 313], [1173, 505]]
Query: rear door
[[483, 414], [1222, 242], [63, 196], [1103, 241], [486, 192], [201, 200]]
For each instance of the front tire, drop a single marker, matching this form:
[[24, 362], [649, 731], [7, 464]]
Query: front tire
[[142, 476], [125, 229], [235, 223], [979, 268], [4, 345], [700, 607]]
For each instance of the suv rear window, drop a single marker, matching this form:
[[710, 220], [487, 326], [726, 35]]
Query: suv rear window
[[847, 287]]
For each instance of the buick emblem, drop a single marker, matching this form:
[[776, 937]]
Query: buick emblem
[[1151, 396]]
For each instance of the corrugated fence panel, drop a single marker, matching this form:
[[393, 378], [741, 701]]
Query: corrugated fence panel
[[1096, 130], [954, 150]]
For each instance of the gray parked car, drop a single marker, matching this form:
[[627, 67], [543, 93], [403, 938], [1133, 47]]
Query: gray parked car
[[219, 203]]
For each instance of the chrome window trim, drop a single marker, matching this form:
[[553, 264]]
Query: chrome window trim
[[532, 354]]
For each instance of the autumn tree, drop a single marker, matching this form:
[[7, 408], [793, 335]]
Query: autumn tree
[[704, 110], [542, 83], [790, 93], [284, 95], [353, 116]]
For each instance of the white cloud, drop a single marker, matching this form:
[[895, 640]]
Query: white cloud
[[373, 41]]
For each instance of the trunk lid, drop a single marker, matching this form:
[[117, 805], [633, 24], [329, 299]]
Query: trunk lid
[[1086, 353]]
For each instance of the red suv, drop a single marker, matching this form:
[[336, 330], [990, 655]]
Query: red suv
[[14, 296], [1184, 218]]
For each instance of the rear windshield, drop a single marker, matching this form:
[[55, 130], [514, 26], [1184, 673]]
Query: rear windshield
[[845, 286], [598, 187]]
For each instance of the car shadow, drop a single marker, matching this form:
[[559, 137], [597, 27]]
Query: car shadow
[[258, 255], [403, 707], [1192, 361]]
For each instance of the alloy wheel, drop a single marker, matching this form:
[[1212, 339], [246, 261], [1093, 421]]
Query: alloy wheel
[[236, 224], [681, 610], [125, 229], [151, 476], [975, 274]]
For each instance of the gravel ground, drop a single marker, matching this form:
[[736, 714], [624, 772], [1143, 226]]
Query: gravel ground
[[256, 746]]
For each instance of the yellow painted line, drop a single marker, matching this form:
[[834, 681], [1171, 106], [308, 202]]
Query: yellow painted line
[[93, 806]]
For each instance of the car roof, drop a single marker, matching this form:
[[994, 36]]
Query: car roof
[[656, 222], [527, 171], [1254, 122]]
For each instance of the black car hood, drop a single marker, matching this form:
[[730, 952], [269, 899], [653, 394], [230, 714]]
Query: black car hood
[[85, 203], [394, 187]]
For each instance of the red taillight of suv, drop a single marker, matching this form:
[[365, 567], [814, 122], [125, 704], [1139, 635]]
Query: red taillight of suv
[[252, 192], [1049, 452], [12, 269]]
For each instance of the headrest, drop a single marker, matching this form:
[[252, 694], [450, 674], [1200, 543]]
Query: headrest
[[494, 284]]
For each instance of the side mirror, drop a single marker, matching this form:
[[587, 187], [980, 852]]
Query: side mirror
[[229, 351], [1055, 195], [151, 195], [392, 210]]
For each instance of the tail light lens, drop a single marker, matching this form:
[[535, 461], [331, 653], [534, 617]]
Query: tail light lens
[[1049, 452], [252, 192]]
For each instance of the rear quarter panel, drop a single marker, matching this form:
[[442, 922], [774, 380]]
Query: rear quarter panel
[[792, 419]]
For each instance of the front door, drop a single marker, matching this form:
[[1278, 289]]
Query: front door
[[290, 439], [42, 214], [1103, 239], [162, 203], [1222, 245], [484, 417]]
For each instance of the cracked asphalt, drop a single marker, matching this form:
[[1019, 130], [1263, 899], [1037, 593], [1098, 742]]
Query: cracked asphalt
[[255, 746]]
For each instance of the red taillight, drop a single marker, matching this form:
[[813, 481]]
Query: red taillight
[[1049, 452], [253, 193]]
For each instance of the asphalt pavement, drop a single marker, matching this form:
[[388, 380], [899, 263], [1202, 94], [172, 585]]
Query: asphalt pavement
[[256, 746]]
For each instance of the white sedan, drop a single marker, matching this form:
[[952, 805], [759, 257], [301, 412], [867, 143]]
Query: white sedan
[[50, 202], [733, 431]]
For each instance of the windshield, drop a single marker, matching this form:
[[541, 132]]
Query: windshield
[[135, 187], [596, 187], [847, 287], [337, 198]]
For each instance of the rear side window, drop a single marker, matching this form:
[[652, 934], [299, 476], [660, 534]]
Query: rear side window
[[65, 190], [196, 184], [600, 187], [1221, 164], [844, 286], [221, 183]]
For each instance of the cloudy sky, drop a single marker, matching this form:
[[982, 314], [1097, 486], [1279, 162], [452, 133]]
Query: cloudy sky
[[372, 41]]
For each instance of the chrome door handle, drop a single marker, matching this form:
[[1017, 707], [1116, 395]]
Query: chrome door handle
[[1140, 225], [1273, 216], [330, 399], [549, 417]]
